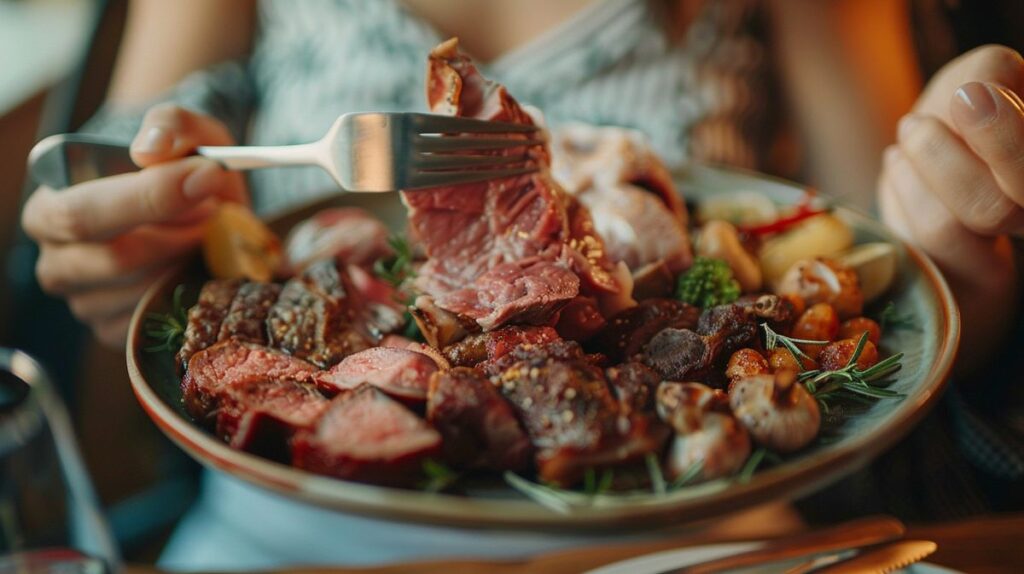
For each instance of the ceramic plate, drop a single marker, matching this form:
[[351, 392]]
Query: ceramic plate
[[930, 349]]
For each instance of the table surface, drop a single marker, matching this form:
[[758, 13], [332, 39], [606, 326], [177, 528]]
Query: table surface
[[984, 545]]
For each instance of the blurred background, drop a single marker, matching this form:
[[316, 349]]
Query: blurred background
[[56, 58]]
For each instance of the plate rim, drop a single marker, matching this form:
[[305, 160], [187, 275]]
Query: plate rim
[[785, 482]]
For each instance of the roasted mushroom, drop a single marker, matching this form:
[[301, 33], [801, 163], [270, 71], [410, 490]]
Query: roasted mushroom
[[824, 281], [778, 412], [706, 434]]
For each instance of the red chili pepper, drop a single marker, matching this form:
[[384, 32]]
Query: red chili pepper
[[803, 211]]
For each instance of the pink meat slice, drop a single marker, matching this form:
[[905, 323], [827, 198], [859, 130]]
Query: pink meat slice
[[351, 235], [499, 251], [366, 436], [401, 373], [215, 371]]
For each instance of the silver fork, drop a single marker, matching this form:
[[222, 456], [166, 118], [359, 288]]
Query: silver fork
[[363, 152]]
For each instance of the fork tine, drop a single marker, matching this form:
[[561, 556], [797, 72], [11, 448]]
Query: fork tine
[[433, 123], [422, 179], [448, 161], [432, 144]]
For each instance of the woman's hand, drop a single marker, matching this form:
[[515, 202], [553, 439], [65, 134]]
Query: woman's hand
[[103, 242], [954, 185]]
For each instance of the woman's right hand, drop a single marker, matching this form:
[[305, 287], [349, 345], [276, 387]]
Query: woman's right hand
[[103, 242]]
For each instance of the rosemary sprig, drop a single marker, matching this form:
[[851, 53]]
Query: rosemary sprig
[[890, 319], [594, 486], [773, 340], [438, 476], [658, 484], [396, 269], [754, 462], [852, 382], [167, 329]]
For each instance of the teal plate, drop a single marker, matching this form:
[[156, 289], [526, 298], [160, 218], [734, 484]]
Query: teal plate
[[489, 503]]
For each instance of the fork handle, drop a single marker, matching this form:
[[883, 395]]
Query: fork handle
[[255, 157]]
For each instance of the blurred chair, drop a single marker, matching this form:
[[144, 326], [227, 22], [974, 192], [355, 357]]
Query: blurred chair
[[43, 325]]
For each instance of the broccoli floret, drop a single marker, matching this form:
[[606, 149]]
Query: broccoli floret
[[707, 283]]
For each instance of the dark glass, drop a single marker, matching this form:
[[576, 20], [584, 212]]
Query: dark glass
[[50, 519]]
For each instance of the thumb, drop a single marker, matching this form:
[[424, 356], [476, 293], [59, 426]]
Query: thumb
[[169, 132]]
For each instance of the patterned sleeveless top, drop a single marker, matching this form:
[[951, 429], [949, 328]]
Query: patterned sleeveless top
[[701, 96]]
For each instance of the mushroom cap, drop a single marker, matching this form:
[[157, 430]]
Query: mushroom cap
[[778, 412]]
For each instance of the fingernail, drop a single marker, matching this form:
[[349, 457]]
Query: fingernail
[[203, 182], [906, 126], [155, 140], [979, 106]]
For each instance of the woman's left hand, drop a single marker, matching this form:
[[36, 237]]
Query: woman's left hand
[[953, 184]]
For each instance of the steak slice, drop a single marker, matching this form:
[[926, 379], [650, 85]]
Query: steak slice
[[214, 371], [366, 436], [262, 415], [401, 373], [206, 316], [349, 235], [493, 345], [572, 419], [246, 319], [315, 317], [479, 426], [635, 386], [499, 251]]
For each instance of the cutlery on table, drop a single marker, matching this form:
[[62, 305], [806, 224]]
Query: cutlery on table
[[363, 152], [885, 559]]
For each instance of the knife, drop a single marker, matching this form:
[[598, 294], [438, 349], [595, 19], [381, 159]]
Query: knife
[[885, 559], [846, 536]]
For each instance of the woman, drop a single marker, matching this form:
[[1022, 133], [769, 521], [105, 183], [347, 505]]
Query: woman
[[696, 76]]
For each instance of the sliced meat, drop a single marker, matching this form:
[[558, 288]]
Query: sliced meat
[[493, 345], [366, 436], [316, 316], [262, 415], [350, 235], [206, 316], [635, 386], [401, 373], [580, 319], [214, 371], [479, 426], [559, 350], [628, 331], [572, 418], [498, 252], [246, 320]]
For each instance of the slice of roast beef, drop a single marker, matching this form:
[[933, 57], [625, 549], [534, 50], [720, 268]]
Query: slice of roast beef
[[206, 316], [246, 320], [499, 251], [214, 371], [571, 417], [493, 345], [628, 331], [479, 426], [558, 350], [317, 317], [262, 415], [366, 436], [401, 373]]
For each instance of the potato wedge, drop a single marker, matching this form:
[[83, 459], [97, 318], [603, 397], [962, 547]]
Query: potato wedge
[[823, 235], [238, 245]]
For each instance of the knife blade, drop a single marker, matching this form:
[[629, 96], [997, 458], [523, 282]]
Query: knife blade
[[885, 559], [855, 534]]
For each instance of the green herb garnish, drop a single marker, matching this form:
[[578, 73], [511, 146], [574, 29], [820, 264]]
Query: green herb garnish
[[438, 476], [397, 268], [773, 340], [891, 319], [851, 382], [167, 329], [708, 282]]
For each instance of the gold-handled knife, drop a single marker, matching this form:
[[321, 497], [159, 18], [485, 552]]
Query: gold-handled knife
[[885, 559], [846, 536]]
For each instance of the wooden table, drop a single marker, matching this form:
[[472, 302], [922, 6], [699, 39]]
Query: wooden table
[[991, 544]]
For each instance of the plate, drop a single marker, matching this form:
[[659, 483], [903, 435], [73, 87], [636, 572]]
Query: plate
[[920, 291]]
